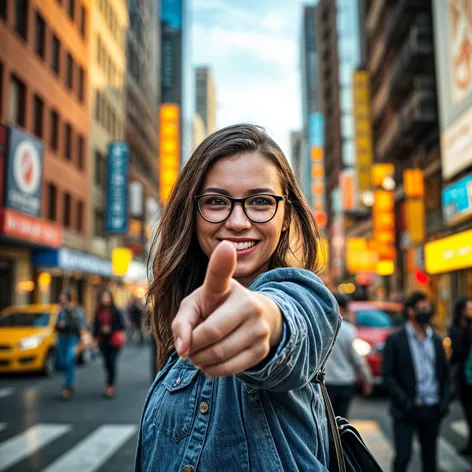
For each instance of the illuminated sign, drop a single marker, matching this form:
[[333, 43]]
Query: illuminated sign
[[348, 189], [360, 256], [449, 254], [169, 161], [457, 200], [316, 141], [362, 130]]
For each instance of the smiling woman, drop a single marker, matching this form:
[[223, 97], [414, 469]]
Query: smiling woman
[[241, 322]]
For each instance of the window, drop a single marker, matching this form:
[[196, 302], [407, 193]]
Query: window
[[56, 55], [98, 106], [67, 210], [79, 226], [70, 71], [52, 202], [40, 36], [81, 84], [38, 116], [68, 142], [21, 18], [54, 138], [71, 9], [81, 151], [100, 170], [83, 20], [373, 319], [17, 101], [99, 223]]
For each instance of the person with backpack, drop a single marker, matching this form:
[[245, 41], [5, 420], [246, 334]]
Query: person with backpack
[[69, 324], [109, 334]]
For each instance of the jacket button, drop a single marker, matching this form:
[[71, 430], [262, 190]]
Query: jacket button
[[203, 407], [188, 468]]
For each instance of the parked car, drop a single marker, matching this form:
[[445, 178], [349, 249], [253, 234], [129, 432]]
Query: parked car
[[373, 327], [28, 339]]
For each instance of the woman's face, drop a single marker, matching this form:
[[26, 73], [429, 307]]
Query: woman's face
[[106, 299], [238, 177]]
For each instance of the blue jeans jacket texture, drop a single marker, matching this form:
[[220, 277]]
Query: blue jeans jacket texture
[[268, 418]]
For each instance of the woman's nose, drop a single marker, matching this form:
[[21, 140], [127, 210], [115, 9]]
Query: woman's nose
[[238, 220]]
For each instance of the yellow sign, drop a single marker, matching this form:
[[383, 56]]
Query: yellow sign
[[169, 158], [363, 130], [323, 255], [121, 258], [360, 257], [413, 183], [449, 254], [385, 268], [415, 219], [380, 172]]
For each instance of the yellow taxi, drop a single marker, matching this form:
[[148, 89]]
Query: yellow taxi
[[28, 339]]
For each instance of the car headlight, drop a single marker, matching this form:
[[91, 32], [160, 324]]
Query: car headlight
[[30, 343], [363, 348]]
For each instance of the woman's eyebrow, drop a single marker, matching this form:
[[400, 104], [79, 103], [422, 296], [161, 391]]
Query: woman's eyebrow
[[252, 191]]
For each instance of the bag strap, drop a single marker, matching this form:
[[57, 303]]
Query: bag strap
[[338, 446]]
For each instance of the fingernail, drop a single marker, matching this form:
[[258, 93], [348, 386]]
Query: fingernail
[[178, 346]]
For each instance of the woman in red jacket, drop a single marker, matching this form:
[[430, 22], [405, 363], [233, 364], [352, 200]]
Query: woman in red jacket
[[108, 331]]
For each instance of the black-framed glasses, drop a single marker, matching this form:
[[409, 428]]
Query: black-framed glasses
[[260, 208]]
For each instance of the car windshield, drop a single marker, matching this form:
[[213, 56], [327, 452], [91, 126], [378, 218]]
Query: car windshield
[[25, 319], [373, 319]]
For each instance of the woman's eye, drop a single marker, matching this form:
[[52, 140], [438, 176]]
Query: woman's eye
[[261, 201], [215, 201]]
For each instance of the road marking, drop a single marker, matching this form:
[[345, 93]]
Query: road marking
[[376, 441], [5, 392], [3, 426], [449, 459], [460, 427], [90, 454], [24, 444]]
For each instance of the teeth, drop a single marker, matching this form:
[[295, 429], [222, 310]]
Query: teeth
[[242, 246]]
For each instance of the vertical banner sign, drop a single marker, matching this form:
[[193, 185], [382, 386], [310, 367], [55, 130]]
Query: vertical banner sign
[[363, 130], [24, 173], [348, 189], [316, 142], [117, 192], [169, 161]]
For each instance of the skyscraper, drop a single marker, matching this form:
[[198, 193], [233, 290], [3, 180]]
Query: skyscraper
[[205, 98]]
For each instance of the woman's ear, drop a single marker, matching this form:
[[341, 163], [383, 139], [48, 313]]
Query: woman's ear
[[287, 219]]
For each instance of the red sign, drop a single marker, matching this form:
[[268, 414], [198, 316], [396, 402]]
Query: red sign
[[31, 229]]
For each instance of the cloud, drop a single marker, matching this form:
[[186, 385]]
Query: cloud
[[253, 54]]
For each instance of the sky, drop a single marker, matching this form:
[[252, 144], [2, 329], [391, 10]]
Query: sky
[[252, 48]]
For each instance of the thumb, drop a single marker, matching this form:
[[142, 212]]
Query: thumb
[[220, 270]]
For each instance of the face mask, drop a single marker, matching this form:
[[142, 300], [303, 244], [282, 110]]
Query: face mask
[[424, 317]]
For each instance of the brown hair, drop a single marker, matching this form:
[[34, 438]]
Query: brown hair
[[179, 264]]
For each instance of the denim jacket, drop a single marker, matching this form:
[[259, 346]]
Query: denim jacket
[[268, 418]]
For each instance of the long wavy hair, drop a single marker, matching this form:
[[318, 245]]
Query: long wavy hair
[[179, 264]]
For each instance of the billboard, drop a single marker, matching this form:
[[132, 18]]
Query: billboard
[[453, 40], [117, 190], [24, 173], [457, 201]]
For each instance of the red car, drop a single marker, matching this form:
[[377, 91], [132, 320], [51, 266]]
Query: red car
[[373, 327]]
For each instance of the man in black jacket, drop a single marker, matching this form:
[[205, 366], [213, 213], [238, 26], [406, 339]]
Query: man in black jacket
[[416, 377]]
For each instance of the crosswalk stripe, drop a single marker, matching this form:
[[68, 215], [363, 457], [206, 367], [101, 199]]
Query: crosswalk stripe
[[449, 459], [24, 444], [460, 428], [94, 450], [6, 391], [376, 441]]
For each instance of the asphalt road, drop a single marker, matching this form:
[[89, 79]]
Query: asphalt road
[[40, 432]]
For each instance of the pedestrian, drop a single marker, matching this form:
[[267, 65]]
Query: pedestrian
[[109, 334], [345, 365], [460, 334], [240, 333], [416, 377], [69, 324], [135, 312]]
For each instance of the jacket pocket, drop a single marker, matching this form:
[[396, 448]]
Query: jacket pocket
[[177, 406]]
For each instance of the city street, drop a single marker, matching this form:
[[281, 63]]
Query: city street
[[40, 432]]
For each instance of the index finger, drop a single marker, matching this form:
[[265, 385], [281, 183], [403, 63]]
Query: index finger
[[184, 322]]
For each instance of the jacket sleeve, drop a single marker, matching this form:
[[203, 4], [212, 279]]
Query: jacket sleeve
[[311, 321], [446, 379], [458, 344], [96, 326], [60, 317], [395, 391], [120, 320]]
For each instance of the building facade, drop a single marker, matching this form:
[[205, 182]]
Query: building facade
[[205, 96], [44, 100], [142, 107]]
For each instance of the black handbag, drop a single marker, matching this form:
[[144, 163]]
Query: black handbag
[[352, 454]]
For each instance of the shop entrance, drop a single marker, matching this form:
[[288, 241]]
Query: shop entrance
[[6, 283]]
